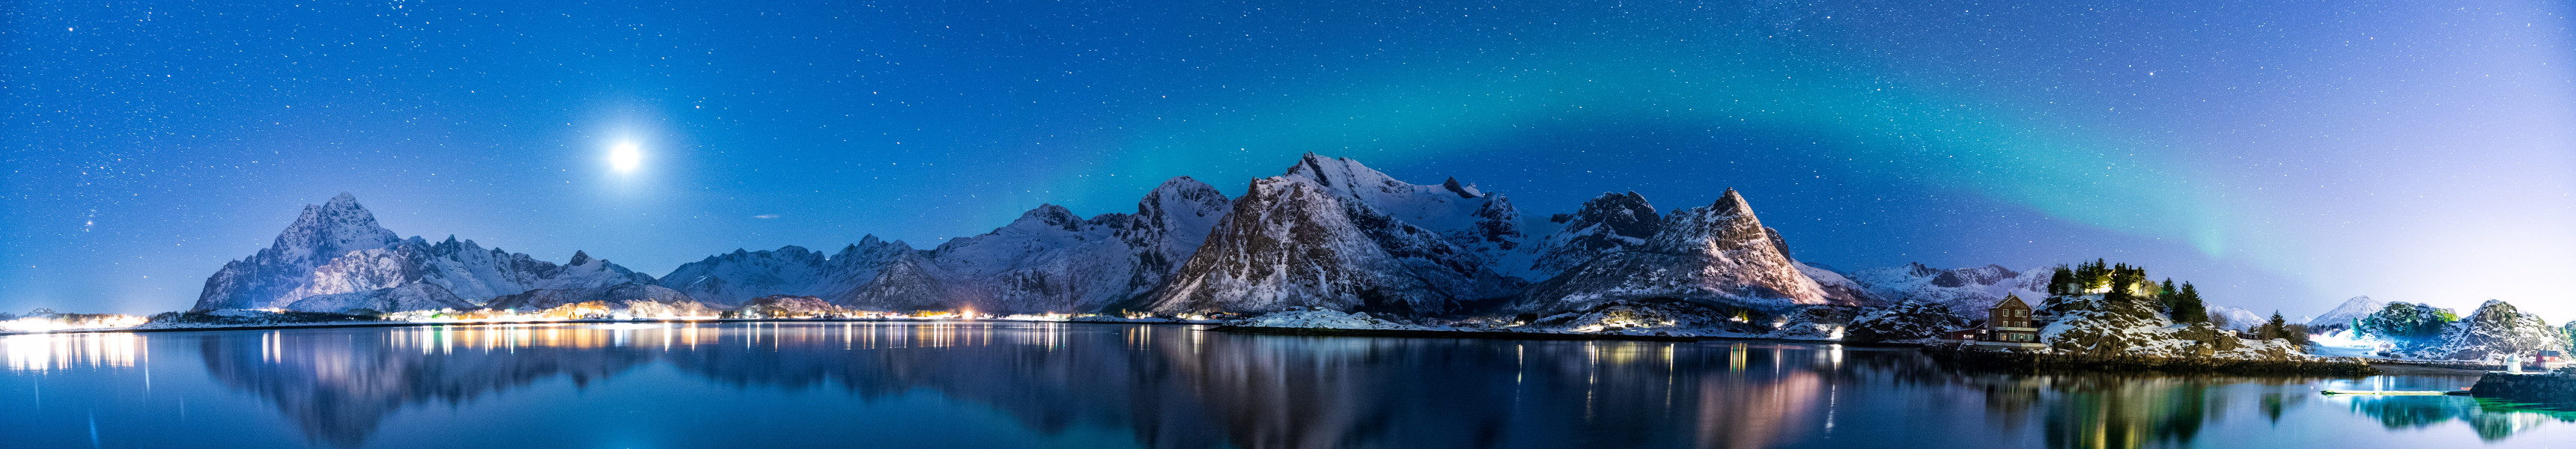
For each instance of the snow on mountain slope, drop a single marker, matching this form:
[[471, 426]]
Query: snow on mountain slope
[[322, 233], [735, 277], [404, 297], [2345, 314], [1333, 234], [1469, 218], [1718, 254], [1965, 289], [2239, 318], [1047, 260], [1838, 286], [1605, 224], [337, 248]]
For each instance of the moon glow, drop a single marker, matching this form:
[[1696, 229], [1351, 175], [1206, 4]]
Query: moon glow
[[625, 157]]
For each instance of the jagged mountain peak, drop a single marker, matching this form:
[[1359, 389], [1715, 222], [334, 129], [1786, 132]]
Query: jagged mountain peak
[[1463, 191], [1341, 174], [1732, 203], [1047, 216], [330, 229], [1726, 225], [871, 244], [578, 258], [336, 252], [1610, 223], [1719, 253], [1182, 191], [1622, 214]]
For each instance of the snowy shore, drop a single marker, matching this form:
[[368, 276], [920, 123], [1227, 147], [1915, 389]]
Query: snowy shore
[[288, 324]]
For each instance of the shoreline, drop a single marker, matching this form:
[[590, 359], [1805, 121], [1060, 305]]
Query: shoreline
[[2032, 362], [2001, 360], [354, 324], [1427, 333]]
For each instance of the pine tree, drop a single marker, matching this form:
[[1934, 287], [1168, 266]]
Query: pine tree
[[2274, 328], [2187, 307], [2062, 283], [2096, 276]]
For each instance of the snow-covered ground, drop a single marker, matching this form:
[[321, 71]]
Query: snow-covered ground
[[1302, 318]]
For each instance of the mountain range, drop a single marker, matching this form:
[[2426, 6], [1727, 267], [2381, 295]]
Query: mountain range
[[1327, 233]]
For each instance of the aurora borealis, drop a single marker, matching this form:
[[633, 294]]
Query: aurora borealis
[[2281, 155]]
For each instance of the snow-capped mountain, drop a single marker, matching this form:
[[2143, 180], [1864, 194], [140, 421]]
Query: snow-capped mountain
[[1052, 260], [1047, 260], [405, 297], [2495, 331], [1718, 254], [732, 278], [337, 249], [2238, 318], [2344, 315], [1610, 223], [322, 233], [1334, 234], [1973, 289], [1329, 233]]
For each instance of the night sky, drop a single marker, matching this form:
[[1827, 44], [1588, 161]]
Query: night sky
[[2281, 155]]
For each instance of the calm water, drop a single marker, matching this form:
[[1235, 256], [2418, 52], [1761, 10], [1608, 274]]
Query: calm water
[[1084, 385]]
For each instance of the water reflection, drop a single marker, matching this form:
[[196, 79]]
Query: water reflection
[[2493, 419], [1174, 387], [39, 352], [338, 385]]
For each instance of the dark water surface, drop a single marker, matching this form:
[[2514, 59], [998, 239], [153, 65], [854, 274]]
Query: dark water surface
[[1006, 385]]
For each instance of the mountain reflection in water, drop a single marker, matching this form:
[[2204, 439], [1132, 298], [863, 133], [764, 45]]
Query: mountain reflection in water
[[1175, 387]]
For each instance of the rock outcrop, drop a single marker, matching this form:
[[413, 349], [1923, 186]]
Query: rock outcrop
[[2495, 331], [1909, 320], [2094, 326]]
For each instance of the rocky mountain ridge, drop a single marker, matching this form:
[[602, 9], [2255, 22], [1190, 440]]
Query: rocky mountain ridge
[[338, 256], [1327, 233], [1047, 260]]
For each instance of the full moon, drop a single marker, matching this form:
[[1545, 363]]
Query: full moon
[[625, 157]]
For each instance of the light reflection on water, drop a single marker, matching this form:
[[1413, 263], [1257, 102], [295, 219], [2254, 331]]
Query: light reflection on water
[[1153, 386], [65, 351]]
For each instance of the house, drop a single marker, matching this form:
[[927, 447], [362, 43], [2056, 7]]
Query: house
[[2010, 323], [1969, 334]]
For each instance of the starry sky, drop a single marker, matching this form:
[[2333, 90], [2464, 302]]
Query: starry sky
[[2281, 155]]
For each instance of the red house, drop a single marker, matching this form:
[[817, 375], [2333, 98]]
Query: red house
[[2009, 324]]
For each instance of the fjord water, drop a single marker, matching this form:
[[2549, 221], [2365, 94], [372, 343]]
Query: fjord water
[[1007, 384]]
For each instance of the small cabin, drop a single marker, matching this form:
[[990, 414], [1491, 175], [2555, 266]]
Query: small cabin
[[1969, 334], [2010, 321]]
